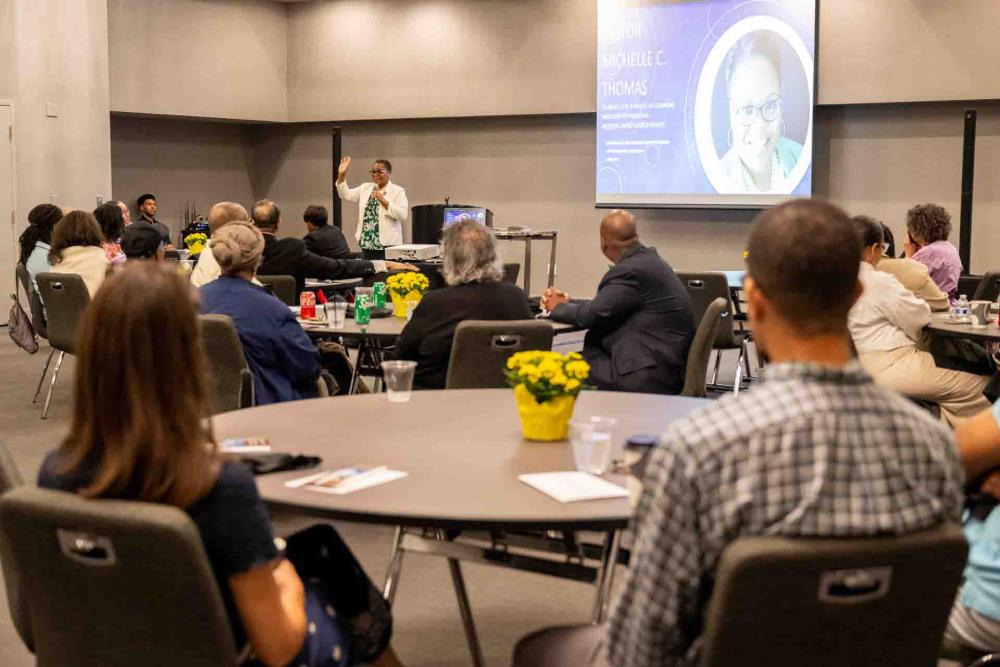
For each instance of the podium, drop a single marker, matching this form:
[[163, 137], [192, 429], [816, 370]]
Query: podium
[[428, 219]]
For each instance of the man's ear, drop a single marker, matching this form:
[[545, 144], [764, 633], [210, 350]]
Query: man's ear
[[757, 303]]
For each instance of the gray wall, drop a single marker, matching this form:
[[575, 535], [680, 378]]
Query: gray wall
[[58, 53], [538, 171]]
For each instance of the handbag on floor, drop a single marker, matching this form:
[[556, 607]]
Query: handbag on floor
[[20, 329], [321, 557]]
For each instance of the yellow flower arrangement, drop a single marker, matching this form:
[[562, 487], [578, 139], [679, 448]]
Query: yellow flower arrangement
[[546, 375], [403, 284], [195, 242]]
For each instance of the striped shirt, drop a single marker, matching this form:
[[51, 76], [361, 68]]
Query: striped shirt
[[813, 451]]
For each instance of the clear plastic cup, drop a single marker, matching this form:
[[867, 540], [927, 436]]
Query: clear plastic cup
[[187, 265], [336, 314], [398, 379], [370, 291], [593, 440], [411, 305]]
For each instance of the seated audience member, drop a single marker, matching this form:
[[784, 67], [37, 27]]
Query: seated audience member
[[126, 214], [76, 248], [640, 323], [324, 239], [142, 242], [928, 227], [207, 269], [147, 215], [289, 257], [36, 240], [814, 450], [109, 217], [157, 446], [886, 324], [910, 273], [890, 241], [284, 362], [475, 291], [975, 617]]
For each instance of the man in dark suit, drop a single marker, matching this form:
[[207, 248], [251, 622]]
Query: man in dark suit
[[289, 257], [324, 239], [640, 323]]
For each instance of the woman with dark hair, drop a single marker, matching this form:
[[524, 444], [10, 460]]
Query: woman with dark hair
[[157, 446], [928, 227], [77, 248], [36, 240], [112, 223], [886, 322]]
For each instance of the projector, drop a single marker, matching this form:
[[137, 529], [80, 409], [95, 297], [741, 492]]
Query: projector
[[413, 251]]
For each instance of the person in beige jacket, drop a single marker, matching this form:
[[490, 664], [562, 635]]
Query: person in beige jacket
[[912, 274], [76, 248]]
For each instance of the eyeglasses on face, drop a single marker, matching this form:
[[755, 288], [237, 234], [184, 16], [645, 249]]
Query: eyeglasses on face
[[768, 111], [376, 172]]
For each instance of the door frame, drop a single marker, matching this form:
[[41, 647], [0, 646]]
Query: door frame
[[13, 176]]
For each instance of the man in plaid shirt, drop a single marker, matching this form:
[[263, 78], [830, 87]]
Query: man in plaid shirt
[[817, 450]]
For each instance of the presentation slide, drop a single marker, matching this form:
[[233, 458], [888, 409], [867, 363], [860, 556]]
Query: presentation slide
[[705, 103]]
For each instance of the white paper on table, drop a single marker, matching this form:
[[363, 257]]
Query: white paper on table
[[345, 480], [572, 486]]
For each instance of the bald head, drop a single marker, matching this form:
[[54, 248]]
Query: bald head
[[225, 212], [618, 233], [266, 215]]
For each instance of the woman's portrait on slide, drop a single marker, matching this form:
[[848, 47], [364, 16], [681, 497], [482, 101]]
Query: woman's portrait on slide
[[760, 116]]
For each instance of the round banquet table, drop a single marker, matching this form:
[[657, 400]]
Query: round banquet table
[[983, 333], [462, 451]]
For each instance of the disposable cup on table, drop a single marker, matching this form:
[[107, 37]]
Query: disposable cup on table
[[398, 379], [592, 439], [187, 265], [370, 291], [336, 314]]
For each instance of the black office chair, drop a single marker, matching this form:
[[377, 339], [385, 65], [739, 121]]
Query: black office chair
[[229, 377], [282, 287], [988, 288], [705, 288], [480, 349], [66, 297], [696, 369], [37, 320]]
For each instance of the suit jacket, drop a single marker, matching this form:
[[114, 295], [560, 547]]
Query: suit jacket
[[289, 257], [328, 241], [282, 359], [427, 337], [915, 277], [640, 325]]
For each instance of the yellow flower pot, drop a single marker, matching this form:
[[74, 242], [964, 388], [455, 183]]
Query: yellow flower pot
[[197, 248], [399, 302], [547, 421]]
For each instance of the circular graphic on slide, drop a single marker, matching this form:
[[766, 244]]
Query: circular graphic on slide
[[753, 109]]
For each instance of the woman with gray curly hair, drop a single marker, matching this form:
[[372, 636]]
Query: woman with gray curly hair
[[928, 227], [282, 359], [475, 291]]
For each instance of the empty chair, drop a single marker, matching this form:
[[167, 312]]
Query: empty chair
[[480, 349], [833, 602], [988, 288], [37, 319], [282, 287], [230, 382], [65, 296], [511, 271], [106, 582], [701, 349], [10, 479], [704, 288]]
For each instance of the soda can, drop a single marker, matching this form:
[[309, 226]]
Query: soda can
[[379, 294], [307, 305], [362, 310]]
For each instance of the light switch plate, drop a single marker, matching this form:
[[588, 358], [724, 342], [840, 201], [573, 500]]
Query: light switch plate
[[51, 111]]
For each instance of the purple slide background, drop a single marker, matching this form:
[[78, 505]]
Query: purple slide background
[[683, 33]]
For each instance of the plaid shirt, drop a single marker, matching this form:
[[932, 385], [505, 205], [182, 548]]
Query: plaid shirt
[[812, 451]]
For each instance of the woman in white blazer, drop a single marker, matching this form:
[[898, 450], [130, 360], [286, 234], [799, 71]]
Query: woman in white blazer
[[382, 211]]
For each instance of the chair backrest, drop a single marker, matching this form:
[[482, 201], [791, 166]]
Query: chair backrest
[[701, 349], [34, 301], [704, 288], [114, 583], [480, 349], [66, 297], [834, 602], [511, 270], [229, 379], [988, 288], [283, 288], [10, 479]]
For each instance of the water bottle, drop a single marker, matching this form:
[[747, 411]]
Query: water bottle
[[962, 308]]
